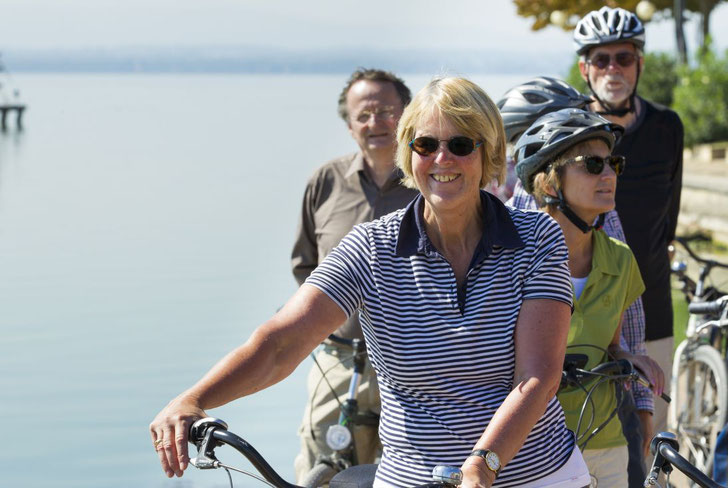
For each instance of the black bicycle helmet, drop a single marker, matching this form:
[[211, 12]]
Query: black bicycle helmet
[[523, 104], [555, 133], [608, 26], [552, 135]]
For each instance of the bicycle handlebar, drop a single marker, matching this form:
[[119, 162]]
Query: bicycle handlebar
[[664, 447], [208, 433], [714, 307], [619, 368], [709, 262]]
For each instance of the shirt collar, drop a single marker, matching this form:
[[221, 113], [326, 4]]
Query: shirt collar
[[357, 167], [499, 229], [603, 258]]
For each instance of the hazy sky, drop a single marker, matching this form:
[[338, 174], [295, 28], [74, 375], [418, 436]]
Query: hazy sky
[[294, 24]]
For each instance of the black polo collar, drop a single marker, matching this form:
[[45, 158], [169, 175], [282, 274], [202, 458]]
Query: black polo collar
[[499, 230]]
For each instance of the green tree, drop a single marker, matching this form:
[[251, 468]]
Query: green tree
[[701, 98], [540, 12], [656, 83], [658, 78]]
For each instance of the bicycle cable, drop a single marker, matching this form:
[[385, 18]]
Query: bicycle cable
[[324, 378], [237, 470]]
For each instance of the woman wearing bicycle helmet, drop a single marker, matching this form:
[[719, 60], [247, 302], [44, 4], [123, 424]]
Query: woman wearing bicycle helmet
[[523, 104], [464, 305], [564, 160]]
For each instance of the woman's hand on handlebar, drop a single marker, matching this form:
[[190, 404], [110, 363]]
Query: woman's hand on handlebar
[[476, 474], [651, 370], [170, 430]]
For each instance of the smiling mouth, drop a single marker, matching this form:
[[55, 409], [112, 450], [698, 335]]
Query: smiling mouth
[[444, 178]]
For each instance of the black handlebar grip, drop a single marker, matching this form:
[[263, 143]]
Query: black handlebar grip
[[706, 308]]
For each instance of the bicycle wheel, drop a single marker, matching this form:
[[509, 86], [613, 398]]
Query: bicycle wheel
[[700, 397], [319, 476]]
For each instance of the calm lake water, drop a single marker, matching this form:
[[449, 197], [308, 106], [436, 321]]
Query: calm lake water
[[146, 223]]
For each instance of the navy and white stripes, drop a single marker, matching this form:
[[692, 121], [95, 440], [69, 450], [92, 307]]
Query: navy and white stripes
[[443, 371]]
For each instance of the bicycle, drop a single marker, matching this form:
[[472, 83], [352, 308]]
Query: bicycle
[[666, 449], [699, 383], [340, 436], [617, 371], [209, 433]]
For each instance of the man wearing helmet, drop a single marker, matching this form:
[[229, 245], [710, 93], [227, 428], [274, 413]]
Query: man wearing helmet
[[610, 43]]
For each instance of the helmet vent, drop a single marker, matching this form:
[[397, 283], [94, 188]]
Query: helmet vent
[[535, 98]]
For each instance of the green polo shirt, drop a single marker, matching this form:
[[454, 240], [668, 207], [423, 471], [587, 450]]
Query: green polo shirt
[[614, 282]]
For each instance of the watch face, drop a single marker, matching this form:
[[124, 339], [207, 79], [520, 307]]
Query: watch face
[[491, 459]]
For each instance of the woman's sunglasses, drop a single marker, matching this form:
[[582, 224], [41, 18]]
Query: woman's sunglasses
[[458, 145], [602, 60], [595, 164]]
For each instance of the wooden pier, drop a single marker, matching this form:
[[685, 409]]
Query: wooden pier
[[8, 109]]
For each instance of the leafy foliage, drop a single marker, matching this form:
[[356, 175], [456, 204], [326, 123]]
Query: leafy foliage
[[658, 78], [701, 98], [541, 11], [574, 78]]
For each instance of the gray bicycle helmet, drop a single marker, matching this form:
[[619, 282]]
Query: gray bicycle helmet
[[555, 133], [608, 26], [523, 104]]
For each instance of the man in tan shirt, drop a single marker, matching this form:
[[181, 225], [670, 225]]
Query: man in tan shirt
[[349, 190]]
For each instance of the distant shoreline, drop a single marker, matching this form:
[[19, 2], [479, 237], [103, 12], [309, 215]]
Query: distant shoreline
[[255, 60]]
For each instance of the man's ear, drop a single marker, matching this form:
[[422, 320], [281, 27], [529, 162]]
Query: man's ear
[[583, 69]]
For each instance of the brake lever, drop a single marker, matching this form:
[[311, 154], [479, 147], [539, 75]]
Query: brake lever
[[205, 458]]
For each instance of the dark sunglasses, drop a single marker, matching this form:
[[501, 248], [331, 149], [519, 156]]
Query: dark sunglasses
[[624, 59], [458, 145], [595, 164]]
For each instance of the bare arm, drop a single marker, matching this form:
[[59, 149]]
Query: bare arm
[[270, 354], [540, 336]]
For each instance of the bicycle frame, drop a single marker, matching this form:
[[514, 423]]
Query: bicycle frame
[[340, 436], [699, 374]]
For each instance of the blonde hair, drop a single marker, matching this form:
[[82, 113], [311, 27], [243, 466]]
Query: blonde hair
[[470, 110]]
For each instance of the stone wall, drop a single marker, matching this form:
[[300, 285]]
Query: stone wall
[[704, 202]]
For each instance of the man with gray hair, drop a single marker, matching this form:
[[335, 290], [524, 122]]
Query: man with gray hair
[[355, 188]]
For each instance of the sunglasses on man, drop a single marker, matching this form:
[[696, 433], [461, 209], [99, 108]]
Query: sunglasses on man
[[458, 145], [624, 59]]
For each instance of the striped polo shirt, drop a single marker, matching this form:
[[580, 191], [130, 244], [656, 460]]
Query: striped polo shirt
[[444, 357]]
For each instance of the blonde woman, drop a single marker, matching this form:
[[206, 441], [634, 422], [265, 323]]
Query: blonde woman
[[464, 304]]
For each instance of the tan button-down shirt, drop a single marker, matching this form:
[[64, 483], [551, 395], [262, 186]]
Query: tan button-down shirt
[[338, 196]]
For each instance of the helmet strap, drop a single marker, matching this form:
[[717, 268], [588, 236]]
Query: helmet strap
[[564, 208]]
